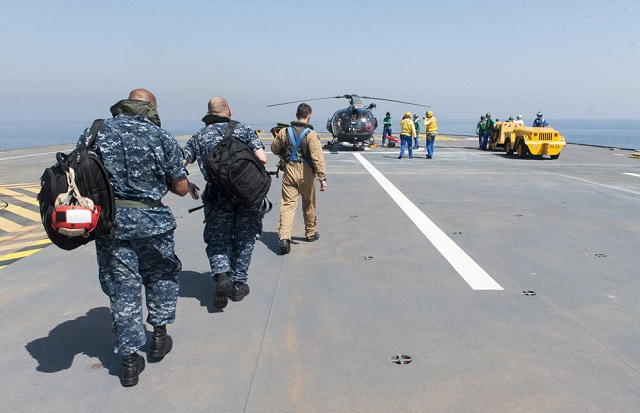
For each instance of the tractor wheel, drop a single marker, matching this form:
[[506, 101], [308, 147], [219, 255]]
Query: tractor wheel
[[555, 156], [507, 147], [522, 149]]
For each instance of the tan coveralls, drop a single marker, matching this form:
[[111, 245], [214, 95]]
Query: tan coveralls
[[299, 180]]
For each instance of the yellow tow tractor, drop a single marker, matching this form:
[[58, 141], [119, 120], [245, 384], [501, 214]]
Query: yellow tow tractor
[[500, 132], [525, 141]]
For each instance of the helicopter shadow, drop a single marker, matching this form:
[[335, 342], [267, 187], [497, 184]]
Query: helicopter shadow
[[89, 334]]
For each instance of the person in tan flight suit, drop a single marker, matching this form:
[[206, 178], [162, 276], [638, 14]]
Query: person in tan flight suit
[[300, 149]]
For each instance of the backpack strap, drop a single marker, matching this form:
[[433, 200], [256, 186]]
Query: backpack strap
[[230, 128], [296, 143], [93, 132], [265, 206], [73, 192]]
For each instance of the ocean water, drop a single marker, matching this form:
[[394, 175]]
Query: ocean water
[[609, 133], [624, 134]]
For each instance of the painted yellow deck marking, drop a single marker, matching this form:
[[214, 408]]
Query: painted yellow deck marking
[[8, 226], [19, 254], [24, 212], [32, 189], [23, 244], [17, 195], [26, 232]]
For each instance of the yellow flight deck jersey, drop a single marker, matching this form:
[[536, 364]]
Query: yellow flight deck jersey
[[431, 125], [407, 127]]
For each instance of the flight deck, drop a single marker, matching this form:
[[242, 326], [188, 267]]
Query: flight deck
[[470, 282]]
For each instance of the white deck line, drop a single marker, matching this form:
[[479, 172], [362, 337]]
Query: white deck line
[[30, 155], [469, 270]]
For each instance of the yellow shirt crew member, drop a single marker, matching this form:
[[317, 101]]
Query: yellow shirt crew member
[[407, 133], [431, 129]]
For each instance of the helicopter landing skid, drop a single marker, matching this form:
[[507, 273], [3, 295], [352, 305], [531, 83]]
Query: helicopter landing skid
[[357, 147]]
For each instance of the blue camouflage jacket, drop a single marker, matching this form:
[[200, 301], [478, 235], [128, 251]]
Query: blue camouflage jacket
[[142, 160]]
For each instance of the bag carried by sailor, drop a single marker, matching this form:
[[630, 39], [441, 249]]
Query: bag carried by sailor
[[236, 173], [76, 198]]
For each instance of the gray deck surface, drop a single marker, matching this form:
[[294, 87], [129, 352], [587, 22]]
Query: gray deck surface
[[320, 329]]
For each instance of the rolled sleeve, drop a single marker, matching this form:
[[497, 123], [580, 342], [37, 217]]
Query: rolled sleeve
[[254, 141], [174, 162], [189, 150]]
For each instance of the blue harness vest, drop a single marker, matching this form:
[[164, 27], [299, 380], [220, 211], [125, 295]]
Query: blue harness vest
[[296, 154]]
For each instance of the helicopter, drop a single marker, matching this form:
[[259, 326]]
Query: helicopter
[[354, 124]]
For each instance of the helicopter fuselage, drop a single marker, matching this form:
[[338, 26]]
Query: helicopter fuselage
[[352, 124]]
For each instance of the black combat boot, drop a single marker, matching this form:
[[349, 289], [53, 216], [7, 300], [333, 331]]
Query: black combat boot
[[314, 237], [161, 343], [238, 291], [132, 366], [285, 246], [220, 298]]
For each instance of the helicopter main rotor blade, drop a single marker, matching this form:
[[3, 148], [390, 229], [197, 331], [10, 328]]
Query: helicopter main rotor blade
[[306, 100], [397, 101]]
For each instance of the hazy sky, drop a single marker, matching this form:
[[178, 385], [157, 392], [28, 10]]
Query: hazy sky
[[71, 60]]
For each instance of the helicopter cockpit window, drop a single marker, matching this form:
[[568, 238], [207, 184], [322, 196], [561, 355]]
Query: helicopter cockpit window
[[342, 122]]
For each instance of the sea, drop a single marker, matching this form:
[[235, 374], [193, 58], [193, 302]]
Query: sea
[[623, 134]]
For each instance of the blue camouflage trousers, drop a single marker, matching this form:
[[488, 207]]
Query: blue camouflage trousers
[[124, 270], [230, 237]]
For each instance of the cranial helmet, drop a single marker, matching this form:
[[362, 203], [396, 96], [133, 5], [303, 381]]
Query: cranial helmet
[[429, 114]]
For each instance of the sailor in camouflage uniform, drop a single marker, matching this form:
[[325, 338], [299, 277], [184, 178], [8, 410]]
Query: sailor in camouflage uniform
[[229, 233], [144, 163]]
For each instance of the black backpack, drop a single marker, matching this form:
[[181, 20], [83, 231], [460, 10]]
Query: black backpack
[[91, 181], [236, 173]]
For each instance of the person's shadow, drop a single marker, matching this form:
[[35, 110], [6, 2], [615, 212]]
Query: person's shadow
[[271, 241], [199, 285], [89, 334]]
